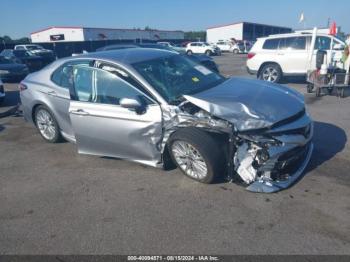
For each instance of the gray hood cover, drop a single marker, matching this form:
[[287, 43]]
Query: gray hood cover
[[249, 104]]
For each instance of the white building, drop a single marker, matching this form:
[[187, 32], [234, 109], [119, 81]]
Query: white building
[[81, 34], [243, 31]]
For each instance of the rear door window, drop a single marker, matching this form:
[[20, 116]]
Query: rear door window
[[63, 76], [293, 43], [271, 44]]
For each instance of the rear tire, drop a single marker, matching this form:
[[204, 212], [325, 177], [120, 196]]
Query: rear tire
[[197, 154], [47, 124], [208, 53], [235, 51], [2, 99], [271, 73], [309, 88]]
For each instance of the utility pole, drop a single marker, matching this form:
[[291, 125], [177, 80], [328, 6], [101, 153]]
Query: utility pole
[[328, 22]]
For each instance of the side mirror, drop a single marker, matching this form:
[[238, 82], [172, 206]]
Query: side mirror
[[133, 104]]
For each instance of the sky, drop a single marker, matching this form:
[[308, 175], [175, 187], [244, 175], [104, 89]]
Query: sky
[[19, 18]]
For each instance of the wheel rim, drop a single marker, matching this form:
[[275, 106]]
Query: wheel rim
[[46, 124], [270, 74], [189, 160]]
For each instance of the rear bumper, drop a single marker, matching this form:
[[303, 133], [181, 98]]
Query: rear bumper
[[251, 72]]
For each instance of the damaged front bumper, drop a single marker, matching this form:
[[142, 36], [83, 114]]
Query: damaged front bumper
[[274, 164], [270, 186]]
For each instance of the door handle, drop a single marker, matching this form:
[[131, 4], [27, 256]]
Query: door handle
[[52, 93], [79, 112]]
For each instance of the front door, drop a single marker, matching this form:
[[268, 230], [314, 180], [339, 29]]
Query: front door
[[103, 127]]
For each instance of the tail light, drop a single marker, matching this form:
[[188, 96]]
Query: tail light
[[22, 87], [250, 55]]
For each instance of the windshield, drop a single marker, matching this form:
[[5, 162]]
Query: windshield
[[34, 47], [4, 60], [175, 75]]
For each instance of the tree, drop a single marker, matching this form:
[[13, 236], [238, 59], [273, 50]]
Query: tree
[[7, 39], [195, 35]]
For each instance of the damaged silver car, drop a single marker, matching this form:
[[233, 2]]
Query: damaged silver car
[[159, 108]]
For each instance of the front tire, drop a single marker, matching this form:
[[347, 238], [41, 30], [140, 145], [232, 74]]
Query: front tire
[[196, 154], [47, 124], [235, 51], [208, 53], [189, 52], [271, 73], [2, 99]]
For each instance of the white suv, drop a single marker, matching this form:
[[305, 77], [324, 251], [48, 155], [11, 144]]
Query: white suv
[[202, 48], [276, 56], [225, 46]]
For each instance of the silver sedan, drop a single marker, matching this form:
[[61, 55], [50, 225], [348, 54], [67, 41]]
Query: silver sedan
[[162, 109]]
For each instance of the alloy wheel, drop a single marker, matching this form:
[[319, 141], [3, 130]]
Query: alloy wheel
[[46, 124], [270, 74], [189, 159]]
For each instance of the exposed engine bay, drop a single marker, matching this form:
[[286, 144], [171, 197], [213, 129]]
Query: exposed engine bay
[[265, 160]]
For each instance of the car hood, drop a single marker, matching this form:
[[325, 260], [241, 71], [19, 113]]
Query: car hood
[[249, 104]]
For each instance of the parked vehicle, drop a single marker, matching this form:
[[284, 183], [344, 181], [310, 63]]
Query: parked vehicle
[[33, 62], [271, 58], [202, 59], [225, 46], [10, 70], [38, 50], [159, 108], [172, 46], [2, 92], [116, 47], [202, 48], [241, 47]]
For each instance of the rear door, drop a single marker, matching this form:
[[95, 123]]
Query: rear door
[[62, 79], [103, 127], [293, 55]]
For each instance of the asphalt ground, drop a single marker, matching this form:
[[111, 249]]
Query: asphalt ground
[[55, 201]]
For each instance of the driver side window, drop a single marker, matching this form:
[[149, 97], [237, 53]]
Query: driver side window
[[98, 86]]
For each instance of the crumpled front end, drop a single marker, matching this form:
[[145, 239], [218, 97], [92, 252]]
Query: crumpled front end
[[271, 160]]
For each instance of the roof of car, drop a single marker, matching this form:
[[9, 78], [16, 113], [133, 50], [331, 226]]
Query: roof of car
[[293, 34], [128, 56]]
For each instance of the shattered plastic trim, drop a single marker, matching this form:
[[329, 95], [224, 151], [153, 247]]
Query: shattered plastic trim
[[276, 142]]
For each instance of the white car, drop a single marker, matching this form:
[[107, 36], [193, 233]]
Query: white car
[[271, 58], [2, 92], [37, 50], [202, 48], [225, 46]]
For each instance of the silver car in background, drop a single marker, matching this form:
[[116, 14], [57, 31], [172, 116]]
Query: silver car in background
[[159, 108]]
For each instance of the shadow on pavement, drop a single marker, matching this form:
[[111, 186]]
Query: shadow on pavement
[[328, 141]]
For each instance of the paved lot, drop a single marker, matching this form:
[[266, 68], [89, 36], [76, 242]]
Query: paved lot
[[54, 201]]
